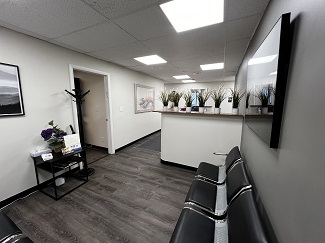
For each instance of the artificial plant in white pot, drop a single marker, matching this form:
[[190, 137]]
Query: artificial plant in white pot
[[218, 96], [188, 100], [264, 95], [163, 97], [175, 96], [202, 97], [236, 95]]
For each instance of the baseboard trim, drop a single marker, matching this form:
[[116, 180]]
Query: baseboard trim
[[129, 144], [178, 165], [97, 147], [25, 193]]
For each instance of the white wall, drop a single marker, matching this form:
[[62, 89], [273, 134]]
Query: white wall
[[225, 106], [93, 109], [290, 180], [44, 73]]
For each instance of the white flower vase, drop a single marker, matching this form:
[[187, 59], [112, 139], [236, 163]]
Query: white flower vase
[[265, 110], [217, 110], [176, 109], [165, 108], [201, 109], [235, 111], [188, 109]]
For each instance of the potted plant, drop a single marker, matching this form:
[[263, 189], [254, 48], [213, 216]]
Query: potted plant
[[54, 137], [175, 96], [218, 96], [236, 95], [264, 94], [202, 97], [163, 97], [188, 100]]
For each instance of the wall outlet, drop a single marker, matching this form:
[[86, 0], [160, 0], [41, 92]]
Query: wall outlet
[[121, 108]]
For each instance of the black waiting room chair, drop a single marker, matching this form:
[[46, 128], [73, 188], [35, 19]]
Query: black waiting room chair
[[217, 174], [242, 225], [214, 199]]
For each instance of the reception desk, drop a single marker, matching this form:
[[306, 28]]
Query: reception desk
[[189, 138]]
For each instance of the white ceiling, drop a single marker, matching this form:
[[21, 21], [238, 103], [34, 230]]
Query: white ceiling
[[119, 30]]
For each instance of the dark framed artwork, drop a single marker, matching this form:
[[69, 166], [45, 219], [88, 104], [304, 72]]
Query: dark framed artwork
[[144, 98], [11, 100]]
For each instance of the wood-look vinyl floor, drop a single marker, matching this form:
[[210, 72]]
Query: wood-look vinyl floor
[[132, 197]]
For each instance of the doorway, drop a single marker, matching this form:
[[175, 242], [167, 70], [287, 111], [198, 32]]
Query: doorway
[[97, 112]]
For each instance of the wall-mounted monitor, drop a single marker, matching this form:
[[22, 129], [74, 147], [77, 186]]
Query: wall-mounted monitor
[[266, 82]]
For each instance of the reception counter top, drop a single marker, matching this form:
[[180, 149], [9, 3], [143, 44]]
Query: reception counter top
[[189, 138]]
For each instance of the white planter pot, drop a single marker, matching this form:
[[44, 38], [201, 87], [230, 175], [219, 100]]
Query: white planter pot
[[235, 111], [188, 109], [176, 109], [217, 110], [201, 109], [165, 108], [265, 110]]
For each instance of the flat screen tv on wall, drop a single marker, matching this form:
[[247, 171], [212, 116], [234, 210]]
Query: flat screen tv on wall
[[266, 82]]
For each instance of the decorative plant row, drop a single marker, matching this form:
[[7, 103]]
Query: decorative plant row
[[218, 96]]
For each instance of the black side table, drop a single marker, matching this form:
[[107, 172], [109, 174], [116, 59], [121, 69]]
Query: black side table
[[61, 165]]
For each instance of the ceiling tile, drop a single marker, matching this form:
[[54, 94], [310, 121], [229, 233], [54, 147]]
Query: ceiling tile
[[50, 18], [128, 62], [127, 51], [237, 46], [117, 8], [243, 8], [194, 64], [232, 57], [97, 37], [147, 24], [242, 28]]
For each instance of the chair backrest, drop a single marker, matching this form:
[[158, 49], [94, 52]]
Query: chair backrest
[[244, 220], [233, 156], [237, 181], [7, 227]]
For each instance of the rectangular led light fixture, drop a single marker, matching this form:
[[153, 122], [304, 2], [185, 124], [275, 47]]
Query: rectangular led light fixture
[[189, 81], [260, 60], [274, 73], [150, 60], [212, 66], [191, 14], [181, 76]]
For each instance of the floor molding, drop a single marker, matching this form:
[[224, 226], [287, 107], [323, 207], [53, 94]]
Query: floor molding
[[178, 165], [129, 144]]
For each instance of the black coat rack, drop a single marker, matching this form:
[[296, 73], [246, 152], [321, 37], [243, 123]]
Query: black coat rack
[[78, 96]]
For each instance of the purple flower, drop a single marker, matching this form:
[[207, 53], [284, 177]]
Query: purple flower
[[47, 133], [61, 134]]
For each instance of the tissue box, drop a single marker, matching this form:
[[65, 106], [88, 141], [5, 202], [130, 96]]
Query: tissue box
[[38, 151]]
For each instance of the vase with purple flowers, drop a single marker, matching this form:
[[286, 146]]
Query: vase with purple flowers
[[54, 137]]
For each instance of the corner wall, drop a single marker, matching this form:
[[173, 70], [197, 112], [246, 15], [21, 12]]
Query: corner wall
[[290, 180], [44, 74]]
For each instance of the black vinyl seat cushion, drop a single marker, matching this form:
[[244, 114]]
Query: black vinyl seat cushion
[[208, 171], [7, 227], [193, 227], [211, 172], [202, 193], [244, 221]]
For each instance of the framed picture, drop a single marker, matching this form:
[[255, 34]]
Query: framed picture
[[11, 100], [144, 98]]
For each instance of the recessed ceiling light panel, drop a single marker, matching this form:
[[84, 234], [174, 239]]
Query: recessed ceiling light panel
[[191, 14], [189, 81], [181, 76], [212, 66], [260, 60], [274, 73], [150, 60]]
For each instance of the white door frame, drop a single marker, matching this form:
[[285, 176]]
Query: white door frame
[[108, 102]]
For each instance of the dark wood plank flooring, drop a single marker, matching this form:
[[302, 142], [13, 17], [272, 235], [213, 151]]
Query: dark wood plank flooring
[[132, 197]]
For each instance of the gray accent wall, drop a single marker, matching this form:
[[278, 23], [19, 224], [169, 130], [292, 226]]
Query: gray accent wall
[[291, 179]]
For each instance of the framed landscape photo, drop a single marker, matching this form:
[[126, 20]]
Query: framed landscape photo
[[11, 100], [144, 98]]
